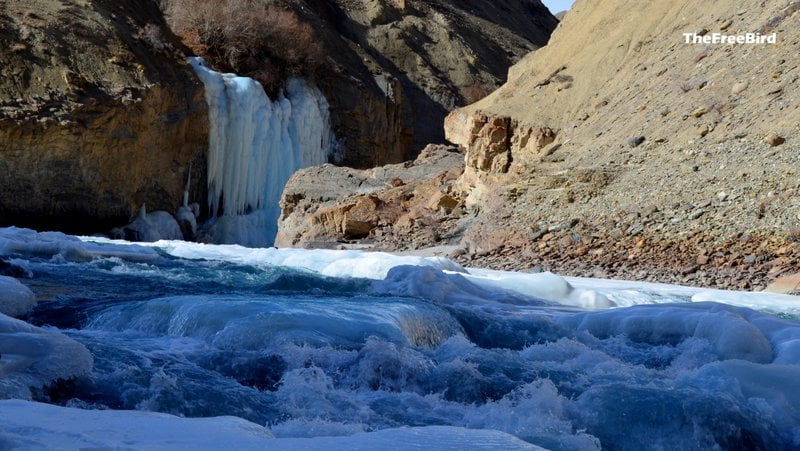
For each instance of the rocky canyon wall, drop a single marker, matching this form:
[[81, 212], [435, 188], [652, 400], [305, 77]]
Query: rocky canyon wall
[[99, 114]]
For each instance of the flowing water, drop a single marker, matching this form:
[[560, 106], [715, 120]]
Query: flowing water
[[414, 343]]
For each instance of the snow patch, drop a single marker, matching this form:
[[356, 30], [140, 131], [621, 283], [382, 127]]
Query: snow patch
[[35, 425]]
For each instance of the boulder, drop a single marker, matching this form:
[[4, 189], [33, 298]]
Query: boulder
[[785, 285]]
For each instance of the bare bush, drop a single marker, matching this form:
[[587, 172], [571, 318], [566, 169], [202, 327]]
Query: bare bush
[[246, 35], [151, 35]]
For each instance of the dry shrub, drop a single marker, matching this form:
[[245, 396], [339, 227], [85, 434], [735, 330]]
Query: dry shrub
[[250, 37], [151, 35]]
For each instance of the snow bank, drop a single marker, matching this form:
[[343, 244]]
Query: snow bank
[[15, 298], [586, 293], [545, 285], [735, 333], [26, 424], [29, 243], [331, 263], [442, 287], [626, 293], [255, 145], [590, 293], [34, 357]]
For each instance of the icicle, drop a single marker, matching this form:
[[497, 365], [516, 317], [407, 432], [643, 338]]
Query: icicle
[[255, 145], [187, 187]]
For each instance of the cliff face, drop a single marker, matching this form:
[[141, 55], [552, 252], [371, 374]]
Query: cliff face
[[324, 205], [99, 113], [429, 57], [390, 69]]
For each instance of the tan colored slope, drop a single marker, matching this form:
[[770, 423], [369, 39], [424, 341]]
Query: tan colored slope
[[710, 180], [632, 55], [617, 70]]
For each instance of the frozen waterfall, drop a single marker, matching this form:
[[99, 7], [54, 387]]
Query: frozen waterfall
[[255, 145]]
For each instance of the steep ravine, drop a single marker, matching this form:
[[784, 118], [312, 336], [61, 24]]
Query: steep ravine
[[390, 69], [619, 150]]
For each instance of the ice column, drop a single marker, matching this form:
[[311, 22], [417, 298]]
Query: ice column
[[255, 145]]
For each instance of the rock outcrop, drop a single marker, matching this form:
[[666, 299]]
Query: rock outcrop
[[99, 113], [328, 205]]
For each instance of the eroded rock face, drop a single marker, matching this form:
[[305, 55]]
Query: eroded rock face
[[326, 205], [99, 113], [785, 285], [493, 143]]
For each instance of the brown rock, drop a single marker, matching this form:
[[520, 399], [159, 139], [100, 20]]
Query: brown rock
[[739, 87], [442, 201], [111, 137], [774, 140], [359, 220], [785, 285]]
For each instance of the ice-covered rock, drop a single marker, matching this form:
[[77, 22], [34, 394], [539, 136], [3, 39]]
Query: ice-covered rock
[[15, 298], [29, 243], [33, 357], [149, 227], [728, 329], [255, 145], [187, 221]]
